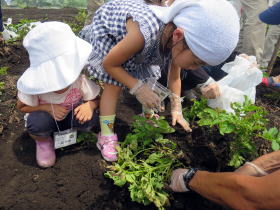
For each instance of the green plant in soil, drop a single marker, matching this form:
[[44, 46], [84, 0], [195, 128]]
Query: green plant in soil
[[3, 71], [273, 135], [21, 29], [145, 161], [2, 87], [243, 125], [79, 21]]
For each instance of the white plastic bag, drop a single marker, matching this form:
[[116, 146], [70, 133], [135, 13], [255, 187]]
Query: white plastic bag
[[241, 81], [7, 34]]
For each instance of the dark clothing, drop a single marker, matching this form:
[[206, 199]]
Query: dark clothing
[[1, 19], [191, 78], [42, 124]]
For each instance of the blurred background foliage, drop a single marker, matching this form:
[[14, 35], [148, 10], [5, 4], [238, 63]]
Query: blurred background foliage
[[43, 3]]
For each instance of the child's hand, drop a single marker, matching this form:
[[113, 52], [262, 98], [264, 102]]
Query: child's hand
[[57, 111], [85, 111]]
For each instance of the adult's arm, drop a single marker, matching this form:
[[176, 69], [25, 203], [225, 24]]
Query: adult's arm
[[239, 191]]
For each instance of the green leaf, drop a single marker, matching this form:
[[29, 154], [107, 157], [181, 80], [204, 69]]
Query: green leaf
[[130, 178], [226, 127], [155, 157], [275, 146]]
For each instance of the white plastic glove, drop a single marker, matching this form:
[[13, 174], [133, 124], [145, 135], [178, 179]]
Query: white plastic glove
[[210, 89], [251, 59], [177, 183], [145, 95], [176, 112]]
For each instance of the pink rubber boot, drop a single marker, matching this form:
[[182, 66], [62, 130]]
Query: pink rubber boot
[[45, 154]]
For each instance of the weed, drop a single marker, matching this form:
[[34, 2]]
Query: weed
[[79, 22], [273, 135], [21, 29], [2, 85], [3, 71]]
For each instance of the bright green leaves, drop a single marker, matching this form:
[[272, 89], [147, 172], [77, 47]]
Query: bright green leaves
[[145, 161], [273, 135], [246, 122], [275, 145]]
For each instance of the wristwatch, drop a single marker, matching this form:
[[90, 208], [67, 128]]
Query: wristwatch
[[188, 175]]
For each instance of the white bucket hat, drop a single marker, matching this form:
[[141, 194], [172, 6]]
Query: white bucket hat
[[57, 57], [211, 27]]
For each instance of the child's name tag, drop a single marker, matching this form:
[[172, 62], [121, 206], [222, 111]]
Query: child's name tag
[[65, 138]]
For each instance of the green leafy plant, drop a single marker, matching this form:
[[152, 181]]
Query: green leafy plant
[[145, 161], [49, 3], [21, 29], [243, 125], [273, 135], [3, 71], [198, 106], [79, 22], [2, 85]]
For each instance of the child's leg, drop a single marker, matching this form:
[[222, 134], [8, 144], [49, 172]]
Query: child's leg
[[107, 139], [40, 126], [108, 105]]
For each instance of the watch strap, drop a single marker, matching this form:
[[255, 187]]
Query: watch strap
[[188, 175]]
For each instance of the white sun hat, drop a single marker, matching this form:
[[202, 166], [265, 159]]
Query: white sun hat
[[211, 27], [57, 57]]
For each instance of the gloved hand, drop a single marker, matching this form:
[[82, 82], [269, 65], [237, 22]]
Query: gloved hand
[[210, 89], [251, 59], [176, 112], [145, 95], [177, 183]]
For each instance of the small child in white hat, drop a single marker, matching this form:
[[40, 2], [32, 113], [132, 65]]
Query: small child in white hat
[[58, 98]]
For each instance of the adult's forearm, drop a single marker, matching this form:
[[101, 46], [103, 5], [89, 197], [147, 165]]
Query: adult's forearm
[[269, 162], [239, 191], [218, 187]]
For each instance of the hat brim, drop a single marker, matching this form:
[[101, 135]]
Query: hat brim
[[271, 16], [57, 73]]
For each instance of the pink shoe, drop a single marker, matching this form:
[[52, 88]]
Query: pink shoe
[[45, 154], [107, 146]]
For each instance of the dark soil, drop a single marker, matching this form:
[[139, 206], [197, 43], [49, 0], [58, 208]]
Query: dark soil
[[76, 181]]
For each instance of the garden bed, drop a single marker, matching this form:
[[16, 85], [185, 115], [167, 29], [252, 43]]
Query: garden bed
[[77, 181]]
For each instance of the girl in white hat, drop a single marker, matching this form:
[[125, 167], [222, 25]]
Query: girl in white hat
[[133, 41], [53, 91]]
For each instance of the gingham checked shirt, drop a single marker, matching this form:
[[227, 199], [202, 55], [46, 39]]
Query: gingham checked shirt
[[109, 27]]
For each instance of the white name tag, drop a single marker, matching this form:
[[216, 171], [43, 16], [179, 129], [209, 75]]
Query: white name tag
[[65, 138]]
